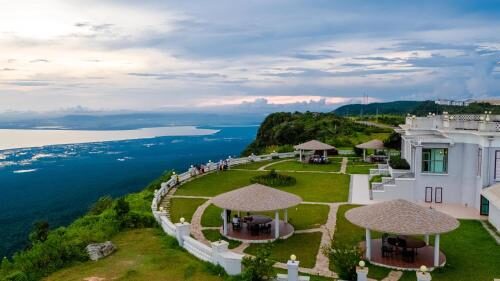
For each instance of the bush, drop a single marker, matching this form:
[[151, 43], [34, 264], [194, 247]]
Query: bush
[[16, 276], [274, 179], [260, 267], [345, 258], [121, 207], [101, 205], [397, 162], [40, 232]]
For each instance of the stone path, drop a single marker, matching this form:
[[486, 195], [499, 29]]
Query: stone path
[[393, 276], [196, 228], [241, 248], [343, 167], [359, 191], [263, 168], [190, 197]]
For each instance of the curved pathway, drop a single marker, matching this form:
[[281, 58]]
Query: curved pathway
[[263, 168], [196, 228]]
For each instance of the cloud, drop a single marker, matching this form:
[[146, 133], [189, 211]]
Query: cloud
[[139, 55]]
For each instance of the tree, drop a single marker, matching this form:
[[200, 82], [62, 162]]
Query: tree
[[345, 259], [101, 205], [393, 141], [260, 267], [40, 232]]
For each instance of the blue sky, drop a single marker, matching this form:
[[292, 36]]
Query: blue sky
[[179, 55]]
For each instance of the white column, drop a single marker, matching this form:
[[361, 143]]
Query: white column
[[182, 230], [362, 273], [436, 250], [225, 221], [368, 245], [421, 276], [286, 215], [324, 153], [427, 239], [300, 155], [293, 270], [364, 154], [277, 225]]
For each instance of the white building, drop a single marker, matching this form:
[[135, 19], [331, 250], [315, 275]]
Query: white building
[[452, 159], [452, 102]]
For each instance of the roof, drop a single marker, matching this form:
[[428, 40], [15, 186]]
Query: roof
[[314, 145], [401, 217], [373, 144], [492, 193], [256, 198]]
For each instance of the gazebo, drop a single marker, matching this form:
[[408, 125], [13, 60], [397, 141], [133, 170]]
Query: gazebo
[[401, 217], [257, 198], [373, 144], [313, 145]]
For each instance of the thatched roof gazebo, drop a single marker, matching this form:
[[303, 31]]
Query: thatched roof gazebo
[[402, 217], [313, 145], [373, 144], [257, 198]]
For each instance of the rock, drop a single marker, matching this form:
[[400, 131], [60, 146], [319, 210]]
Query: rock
[[98, 251]]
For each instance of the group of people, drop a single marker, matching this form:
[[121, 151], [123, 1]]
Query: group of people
[[318, 159], [222, 165], [198, 169]]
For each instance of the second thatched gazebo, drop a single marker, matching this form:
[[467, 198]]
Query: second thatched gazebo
[[401, 217], [373, 144]]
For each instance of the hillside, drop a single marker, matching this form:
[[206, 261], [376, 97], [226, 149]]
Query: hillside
[[283, 129], [418, 108], [394, 107]]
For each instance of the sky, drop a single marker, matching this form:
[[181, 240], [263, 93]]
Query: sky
[[65, 55]]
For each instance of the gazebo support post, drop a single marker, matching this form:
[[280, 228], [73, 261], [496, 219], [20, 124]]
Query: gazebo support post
[[426, 239], [364, 155], [277, 225], [368, 245], [286, 215], [325, 153], [225, 221], [436, 250]]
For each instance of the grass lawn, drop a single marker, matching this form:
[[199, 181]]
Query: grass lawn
[[214, 235], [312, 187], [294, 165], [304, 216], [183, 207], [360, 168], [470, 252], [305, 246], [142, 255], [255, 165]]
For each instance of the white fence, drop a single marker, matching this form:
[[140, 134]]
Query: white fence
[[218, 253]]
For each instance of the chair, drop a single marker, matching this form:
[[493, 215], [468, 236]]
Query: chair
[[387, 249], [407, 254], [266, 228], [236, 225]]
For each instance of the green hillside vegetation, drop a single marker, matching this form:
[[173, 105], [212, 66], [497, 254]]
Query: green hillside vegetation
[[284, 129], [419, 108], [58, 248]]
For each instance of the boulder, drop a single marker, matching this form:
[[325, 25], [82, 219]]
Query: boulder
[[98, 251]]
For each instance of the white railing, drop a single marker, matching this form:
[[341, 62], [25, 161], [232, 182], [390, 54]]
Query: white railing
[[198, 249], [229, 260]]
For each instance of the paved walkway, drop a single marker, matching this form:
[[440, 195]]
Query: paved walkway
[[393, 276], [359, 192], [343, 165], [493, 233], [455, 210], [196, 228]]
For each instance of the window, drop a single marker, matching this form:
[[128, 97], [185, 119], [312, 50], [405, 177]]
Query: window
[[435, 160], [479, 161]]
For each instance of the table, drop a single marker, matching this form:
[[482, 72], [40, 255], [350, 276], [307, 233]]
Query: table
[[259, 219]]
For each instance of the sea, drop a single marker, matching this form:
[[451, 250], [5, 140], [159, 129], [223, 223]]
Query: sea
[[59, 180]]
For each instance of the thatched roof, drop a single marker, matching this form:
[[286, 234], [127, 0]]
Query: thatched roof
[[373, 144], [256, 198], [314, 145], [401, 217], [492, 193]]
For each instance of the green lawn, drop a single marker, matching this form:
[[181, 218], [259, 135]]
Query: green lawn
[[294, 165], [470, 252], [305, 246], [310, 186], [183, 207], [304, 216], [214, 235], [255, 165], [142, 255], [360, 168]]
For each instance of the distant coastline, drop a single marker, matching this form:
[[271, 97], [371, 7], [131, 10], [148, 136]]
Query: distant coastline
[[29, 138]]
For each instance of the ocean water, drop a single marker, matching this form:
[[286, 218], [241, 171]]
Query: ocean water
[[59, 183]]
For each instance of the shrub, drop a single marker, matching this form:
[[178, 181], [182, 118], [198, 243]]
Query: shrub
[[260, 267], [40, 232], [274, 179], [397, 162], [16, 276], [345, 259], [101, 205], [121, 207]]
